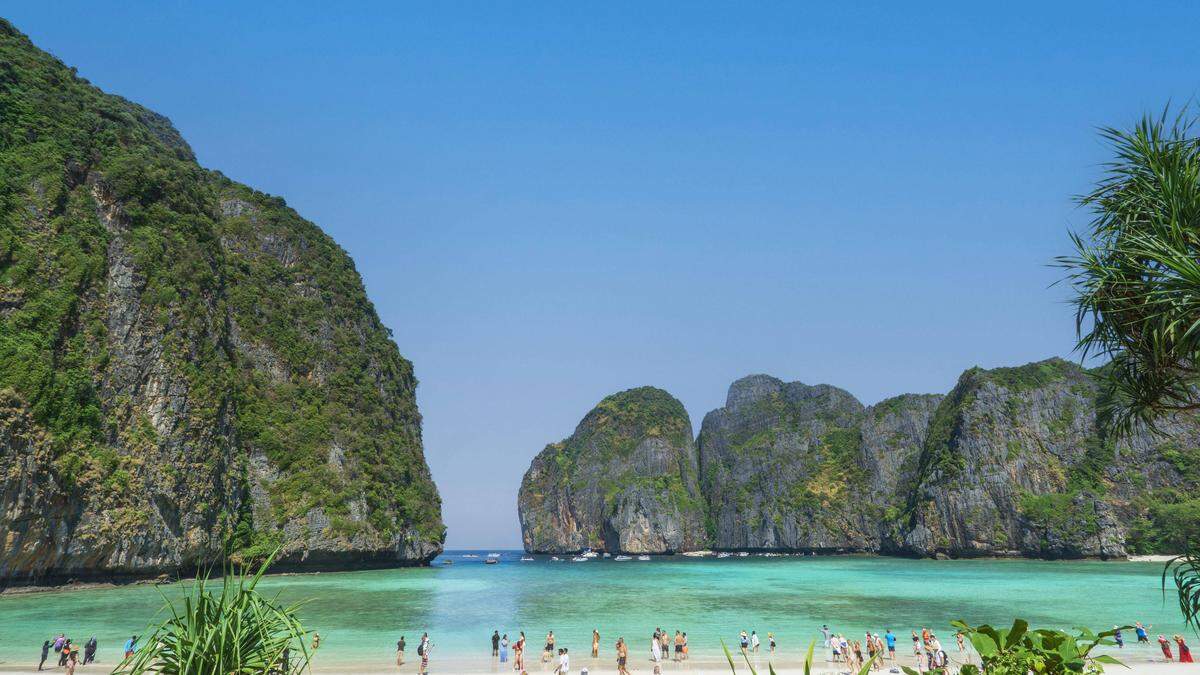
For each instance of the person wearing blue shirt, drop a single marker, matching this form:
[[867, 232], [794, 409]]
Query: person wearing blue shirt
[[891, 644]]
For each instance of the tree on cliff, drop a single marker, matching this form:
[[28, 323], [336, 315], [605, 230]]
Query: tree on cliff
[[1136, 275]]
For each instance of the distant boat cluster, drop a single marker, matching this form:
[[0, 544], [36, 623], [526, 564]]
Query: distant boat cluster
[[588, 555]]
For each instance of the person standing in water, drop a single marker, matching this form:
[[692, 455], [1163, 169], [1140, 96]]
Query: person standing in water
[[1185, 654], [400, 651], [519, 653], [655, 648], [45, 654], [1166, 647], [595, 643], [622, 656], [1118, 638], [754, 641], [495, 643], [89, 650], [130, 646], [504, 648], [1140, 630]]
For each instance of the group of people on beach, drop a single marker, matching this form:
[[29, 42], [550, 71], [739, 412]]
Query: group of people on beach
[[424, 647], [875, 648], [663, 646], [68, 652], [1143, 636]]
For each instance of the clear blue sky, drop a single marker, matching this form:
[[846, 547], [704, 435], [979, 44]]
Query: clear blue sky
[[550, 203]]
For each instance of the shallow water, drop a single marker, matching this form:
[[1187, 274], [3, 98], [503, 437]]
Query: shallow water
[[360, 615]]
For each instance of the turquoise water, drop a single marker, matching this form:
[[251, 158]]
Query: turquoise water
[[360, 615]]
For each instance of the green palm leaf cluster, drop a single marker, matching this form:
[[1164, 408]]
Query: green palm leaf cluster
[[224, 628], [1136, 273], [1185, 570]]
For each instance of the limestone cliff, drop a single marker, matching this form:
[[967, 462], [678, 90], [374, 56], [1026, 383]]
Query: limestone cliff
[[1010, 462], [788, 466], [1014, 463], [625, 481], [184, 361]]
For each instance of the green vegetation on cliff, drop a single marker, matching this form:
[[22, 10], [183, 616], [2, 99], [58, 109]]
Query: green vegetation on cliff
[[122, 259]]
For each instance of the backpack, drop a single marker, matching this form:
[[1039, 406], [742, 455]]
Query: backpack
[[421, 649]]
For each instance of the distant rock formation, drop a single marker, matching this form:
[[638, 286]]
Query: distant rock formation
[[625, 481], [1010, 463]]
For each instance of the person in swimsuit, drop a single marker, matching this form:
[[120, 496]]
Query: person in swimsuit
[[519, 653], [595, 643], [622, 656], [548, 650]]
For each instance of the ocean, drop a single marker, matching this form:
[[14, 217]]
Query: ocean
[[360, 615]]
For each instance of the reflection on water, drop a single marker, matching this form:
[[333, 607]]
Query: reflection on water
[[360, 615]]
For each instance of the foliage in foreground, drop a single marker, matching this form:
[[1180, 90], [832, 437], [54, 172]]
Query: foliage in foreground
[[1019, 650], [1185, 570], [235, 630], [1136, 275]]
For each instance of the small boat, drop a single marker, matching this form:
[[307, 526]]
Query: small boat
[[490, 561], [493, 555], [470, 555], [697, 554], [555, 558], [743, 554], [579, 558], [447, 562], [588, 553], [607, 554], [643, 558], [724, 554], [526, 559], [622, 558]]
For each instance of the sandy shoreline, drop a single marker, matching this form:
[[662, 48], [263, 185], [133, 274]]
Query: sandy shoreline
[[1138, 661]]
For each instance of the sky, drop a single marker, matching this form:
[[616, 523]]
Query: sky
[[551, 202]]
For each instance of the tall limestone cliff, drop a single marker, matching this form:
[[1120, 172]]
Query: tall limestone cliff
[[1010, 462], [625, 481], [788, 466], [184, 361], [1014, 463]]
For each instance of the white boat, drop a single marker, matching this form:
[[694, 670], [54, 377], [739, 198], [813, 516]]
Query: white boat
[[491, 561], [526, 559], [622, 558], [579, 558], [697, 554], [493, 555], [723, 554], [470, 555], [589, 553], [607, 554], [643, 558], [555, 558], [743, 554]]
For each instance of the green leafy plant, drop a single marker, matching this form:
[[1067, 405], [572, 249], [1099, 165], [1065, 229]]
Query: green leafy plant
[[1019, 650], [233, 630]]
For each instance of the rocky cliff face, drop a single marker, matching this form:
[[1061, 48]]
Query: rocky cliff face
[[625, 481], [1008, 463], [184, 361], [796, 467], [1014, 464]]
